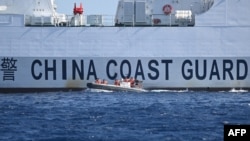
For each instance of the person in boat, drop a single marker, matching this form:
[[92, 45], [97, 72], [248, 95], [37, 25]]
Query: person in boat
[[132, 82], [104, 81], [117, 82], [98, 81], [138, 83], [126, 79]]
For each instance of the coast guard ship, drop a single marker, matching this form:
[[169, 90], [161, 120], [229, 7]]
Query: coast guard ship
[[168, 44]]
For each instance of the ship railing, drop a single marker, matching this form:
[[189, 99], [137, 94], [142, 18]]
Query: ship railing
[[179, 18], [109, 20], [91, 20], [183, 18], [150, 20], [161, 19], [70, 20]]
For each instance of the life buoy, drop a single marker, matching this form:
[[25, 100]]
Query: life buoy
[[167, 9]]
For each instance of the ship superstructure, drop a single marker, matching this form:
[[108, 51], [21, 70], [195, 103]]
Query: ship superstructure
[[169, 44], [160, 12], [129, 13]]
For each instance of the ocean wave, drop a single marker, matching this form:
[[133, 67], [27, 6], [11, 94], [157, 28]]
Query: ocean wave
[[238, 91], [162, 91]]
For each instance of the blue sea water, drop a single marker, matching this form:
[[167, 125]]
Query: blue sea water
[[91, 116]]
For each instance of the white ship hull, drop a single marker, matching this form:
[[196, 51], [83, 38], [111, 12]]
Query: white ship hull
[[201, 73], [203, 57]]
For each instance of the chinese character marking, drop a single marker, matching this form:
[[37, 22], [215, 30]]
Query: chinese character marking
[[9, 67]]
